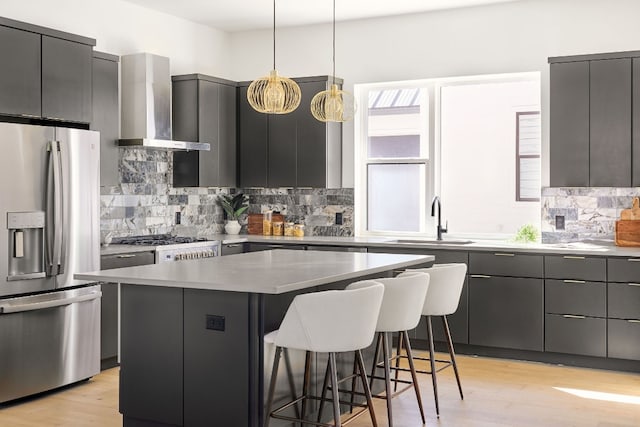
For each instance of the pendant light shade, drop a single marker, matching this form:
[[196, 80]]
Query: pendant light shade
[[274, 94], [333, 105]]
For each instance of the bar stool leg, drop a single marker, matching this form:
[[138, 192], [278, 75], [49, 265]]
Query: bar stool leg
[[334, 390], [292, 385], [325, 383], [452, 353], [376, 357], [414, 377], [397, 370], [272, 385], [367, 391], [433, 365], [387, 376], [305, 385]]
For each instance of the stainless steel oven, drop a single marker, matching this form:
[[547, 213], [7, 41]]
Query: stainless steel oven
[[170, 248]]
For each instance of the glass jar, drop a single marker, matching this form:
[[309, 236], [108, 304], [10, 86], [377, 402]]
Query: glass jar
[[277, 228], [266, 223], [288, 228], [298, 230]]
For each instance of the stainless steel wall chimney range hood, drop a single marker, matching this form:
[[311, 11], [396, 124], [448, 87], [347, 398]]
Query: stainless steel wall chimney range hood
[[146, 104]]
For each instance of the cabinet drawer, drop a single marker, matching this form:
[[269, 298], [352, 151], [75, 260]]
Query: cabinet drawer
[[506, 264], [575, 335], [624, 339], [232, 248], [624, 300], [575, 297], [623, 270], [132, 259], [576, 267]]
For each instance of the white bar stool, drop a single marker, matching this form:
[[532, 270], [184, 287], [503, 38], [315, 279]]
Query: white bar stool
[[328, 322], [443, 297], [401, 310]]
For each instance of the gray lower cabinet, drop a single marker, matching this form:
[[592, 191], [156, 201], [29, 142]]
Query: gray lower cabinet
[[289, 150], [576, 335], [204, 110], [623, 303], [506, 300], [109, 303], [255, 247], [232, 248], [105, 114], [20, 72]]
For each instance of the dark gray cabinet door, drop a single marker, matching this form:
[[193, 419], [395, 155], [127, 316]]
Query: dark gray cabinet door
[[186, 164], [575, 297], [20, 72], [66, 80], [575, 267], [635, 123], [311, 144], [227, 160], [506, 312], [506, 264], [576, 335], [208, 127], [623, 338], [253, 131], [569, 128], [232, 248], [281, 171], [105, 117], [610, 123]]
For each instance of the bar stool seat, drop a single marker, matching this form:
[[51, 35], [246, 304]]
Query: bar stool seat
[[442, 299], [328, 322], [400, 311]]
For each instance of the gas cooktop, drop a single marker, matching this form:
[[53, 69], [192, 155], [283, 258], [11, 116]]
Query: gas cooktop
[[156, 240]]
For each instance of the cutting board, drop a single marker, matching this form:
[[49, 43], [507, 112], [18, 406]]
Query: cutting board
[[254, 225], [628, 232], [634, 212]]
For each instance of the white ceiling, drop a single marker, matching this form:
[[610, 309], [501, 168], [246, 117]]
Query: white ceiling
[[243, 15]]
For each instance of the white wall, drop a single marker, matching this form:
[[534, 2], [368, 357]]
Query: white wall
[[502, 38], [121, 28]]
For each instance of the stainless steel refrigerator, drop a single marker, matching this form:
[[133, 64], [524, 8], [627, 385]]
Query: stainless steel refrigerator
[[49, 203]]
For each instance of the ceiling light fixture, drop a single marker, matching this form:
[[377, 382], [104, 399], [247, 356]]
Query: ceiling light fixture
[[333, 105], [274, 94]]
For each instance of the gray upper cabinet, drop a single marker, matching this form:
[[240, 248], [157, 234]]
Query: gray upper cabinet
[[66, 80], [569, 161], [610, 123], [46, 74], [20, 72], [594, 120], [105, 114], [204, 110], [289, 150]]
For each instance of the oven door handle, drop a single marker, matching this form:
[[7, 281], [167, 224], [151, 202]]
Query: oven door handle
[[7, 308]]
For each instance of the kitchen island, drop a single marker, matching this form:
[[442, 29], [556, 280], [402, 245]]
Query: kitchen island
[[192, 351]]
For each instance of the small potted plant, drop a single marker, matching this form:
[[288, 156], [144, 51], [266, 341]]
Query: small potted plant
[[234, 206]]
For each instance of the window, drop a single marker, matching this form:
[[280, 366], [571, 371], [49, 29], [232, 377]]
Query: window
[[395, 157], [453, 138], [528, 156]]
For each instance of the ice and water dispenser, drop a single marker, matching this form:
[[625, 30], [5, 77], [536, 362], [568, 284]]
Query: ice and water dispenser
[[26, 245]]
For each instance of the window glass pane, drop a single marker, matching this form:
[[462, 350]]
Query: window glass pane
[[394, 197], [530, 178], [394, 146], [529, 134]]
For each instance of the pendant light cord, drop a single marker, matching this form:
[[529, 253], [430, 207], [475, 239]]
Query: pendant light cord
[[334, 42], [274, 34]]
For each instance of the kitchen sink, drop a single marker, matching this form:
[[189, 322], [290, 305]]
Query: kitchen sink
[[431, 241]]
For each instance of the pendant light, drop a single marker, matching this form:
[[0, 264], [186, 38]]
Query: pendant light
[[274, 94], [333, 105]]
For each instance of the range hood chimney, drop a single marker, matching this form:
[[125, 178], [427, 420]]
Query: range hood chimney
[[146, 104]]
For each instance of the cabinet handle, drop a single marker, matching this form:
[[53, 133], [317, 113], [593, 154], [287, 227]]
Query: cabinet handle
[[235, 245], [127, 256], [572, 316], [634, 259], [574, 281], [573, 257], [480, 276], [633, 321], [503, 254], [30, 116], [634, 284]]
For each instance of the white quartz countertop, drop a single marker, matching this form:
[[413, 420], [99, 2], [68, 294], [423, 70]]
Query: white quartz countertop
[[266, 272]]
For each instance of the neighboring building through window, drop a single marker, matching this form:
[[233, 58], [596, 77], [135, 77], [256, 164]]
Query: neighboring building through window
[[528, 148]]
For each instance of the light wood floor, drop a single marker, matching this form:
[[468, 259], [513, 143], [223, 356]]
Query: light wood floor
[[498, 393]]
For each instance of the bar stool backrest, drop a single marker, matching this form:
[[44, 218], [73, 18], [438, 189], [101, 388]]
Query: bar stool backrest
[[445, 287], [332, 321], [402, 303]]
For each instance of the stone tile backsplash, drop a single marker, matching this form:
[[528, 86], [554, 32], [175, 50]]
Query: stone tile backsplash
[[146, 203], [590, 213]]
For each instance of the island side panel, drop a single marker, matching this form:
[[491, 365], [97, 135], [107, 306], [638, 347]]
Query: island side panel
[[216, 358], [151, 356]]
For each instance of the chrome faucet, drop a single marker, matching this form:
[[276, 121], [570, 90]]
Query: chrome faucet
[[439, 228]]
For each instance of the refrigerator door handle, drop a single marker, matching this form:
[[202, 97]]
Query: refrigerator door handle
[[6, 309], [54, 211]]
